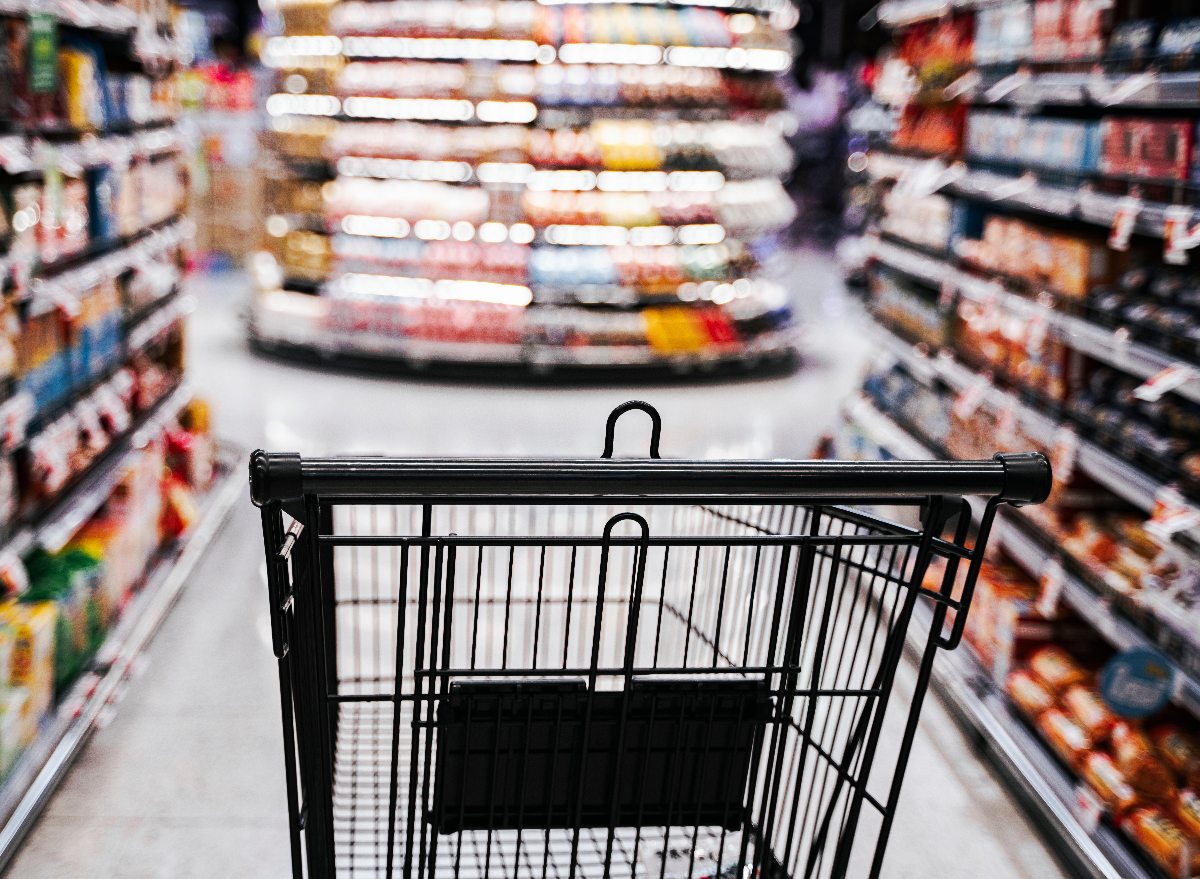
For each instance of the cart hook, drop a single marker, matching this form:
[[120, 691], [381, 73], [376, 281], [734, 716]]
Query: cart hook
[[655, 429]]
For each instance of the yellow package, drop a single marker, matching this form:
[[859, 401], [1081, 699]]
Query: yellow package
[[673, 330], [31, 662]]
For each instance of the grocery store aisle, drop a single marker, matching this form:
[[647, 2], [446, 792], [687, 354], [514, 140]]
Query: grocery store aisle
[[187, 779]]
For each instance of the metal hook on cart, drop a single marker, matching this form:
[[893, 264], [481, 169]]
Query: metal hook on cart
[[655, 429]]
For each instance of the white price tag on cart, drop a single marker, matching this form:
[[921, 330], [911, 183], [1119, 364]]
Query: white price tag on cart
[[1051, 587], [1168, 379]]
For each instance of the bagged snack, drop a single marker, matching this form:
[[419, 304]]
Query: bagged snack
[[1029, 694], [1185, 808], [1088, 710], [1064, 735], [1179, 751], [1162, 839], [1109, 782], [1142, 768], [1056, 668]]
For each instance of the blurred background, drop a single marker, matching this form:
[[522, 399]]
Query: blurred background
[[912, 229]]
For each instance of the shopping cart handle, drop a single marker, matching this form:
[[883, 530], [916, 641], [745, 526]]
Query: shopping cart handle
[[1027, 478], [1017, 479]]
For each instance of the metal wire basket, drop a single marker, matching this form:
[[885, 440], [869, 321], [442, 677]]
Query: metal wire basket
[[593, 668]]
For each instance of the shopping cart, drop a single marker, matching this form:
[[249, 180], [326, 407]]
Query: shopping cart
[[584, 668]]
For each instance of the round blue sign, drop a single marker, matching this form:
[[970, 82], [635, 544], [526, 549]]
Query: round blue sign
[[1137, 683]]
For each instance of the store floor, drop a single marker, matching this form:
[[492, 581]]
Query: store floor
[[187, 779]]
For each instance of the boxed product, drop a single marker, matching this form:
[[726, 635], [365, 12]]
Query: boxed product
[[930, 221], [1152, 148], [1003, 32], [1049, 31], [81, 82], [1132, 44], [97, 332], [1087, 25], [43, 365], [930, 130], [912, 310], [103, 219], [63, 226], [71, 581], [1179, 44], [30, 659], [1067, 264]]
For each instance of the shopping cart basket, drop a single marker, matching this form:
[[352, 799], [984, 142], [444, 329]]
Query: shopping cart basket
[[584, 668]]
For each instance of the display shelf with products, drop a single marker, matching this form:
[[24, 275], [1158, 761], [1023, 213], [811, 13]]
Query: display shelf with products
[[1026, 192], [1125, 615], [1031, 217], [973, 679], [1106, 345], [1118, 476], [92, 701], [553, 187]]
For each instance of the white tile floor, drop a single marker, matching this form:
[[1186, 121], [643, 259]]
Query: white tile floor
[[187, 780]]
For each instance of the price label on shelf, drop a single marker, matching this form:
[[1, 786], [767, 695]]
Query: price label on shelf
[[946, 293], [1168, 379], [971, 397], [1178, 239], [1006, 86], [1050, 588], [1124, 220], [1006, 423], [15, 414], [1171, 514], [1066, 450], [1086, 808], [1035, 331]]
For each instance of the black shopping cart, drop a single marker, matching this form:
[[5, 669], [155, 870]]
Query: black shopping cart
[[592, 668]]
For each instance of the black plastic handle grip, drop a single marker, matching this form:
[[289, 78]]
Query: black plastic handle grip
[[611, 427], [1017, 479]]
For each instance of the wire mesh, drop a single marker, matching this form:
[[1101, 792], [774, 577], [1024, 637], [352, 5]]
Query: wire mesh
[[807, 604]]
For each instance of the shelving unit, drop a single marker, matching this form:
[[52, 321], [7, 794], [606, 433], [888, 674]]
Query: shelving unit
[[1019, 327], [980, 706], [1063, 202], [572, 199], [92, 380], [95, 697], [1097, 342]]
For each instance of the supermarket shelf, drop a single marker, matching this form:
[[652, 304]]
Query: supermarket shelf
[[769, 351], [58, 524], [146, 244], [1124, 90], [898, 13], [886, 433], [1116, 630], [26, 153], [1070, 203], [94, 698], [1121, 478], [159, 321], [1030, 771], [1124, 480], [156, 234], [1095, 341]]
